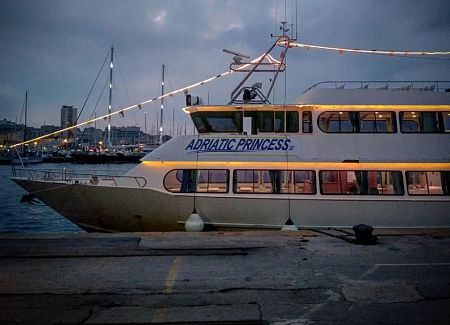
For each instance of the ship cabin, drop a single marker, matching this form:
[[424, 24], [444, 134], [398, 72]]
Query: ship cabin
[[359, 140]]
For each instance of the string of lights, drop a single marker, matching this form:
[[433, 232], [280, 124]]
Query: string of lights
[[342, 50], [123, 110]]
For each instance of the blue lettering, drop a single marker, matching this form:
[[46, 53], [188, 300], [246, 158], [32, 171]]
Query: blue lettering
[[222, 143], [205, 144], [230, 144], [265, 144], [214, 145], [240, 143], [286, 144], [272, 143], [256, 144], [198, 144], [190, 145], [279, 144], [247, 144]]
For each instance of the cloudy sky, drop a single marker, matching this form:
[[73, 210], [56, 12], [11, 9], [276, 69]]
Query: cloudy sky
[[54, 49]]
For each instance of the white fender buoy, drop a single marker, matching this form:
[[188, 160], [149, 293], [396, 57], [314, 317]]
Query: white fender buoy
[[194, 222], [289, 226]]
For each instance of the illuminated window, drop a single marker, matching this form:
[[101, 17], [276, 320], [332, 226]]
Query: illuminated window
[[338, 122], [274, 181], [192, 180], [358, 122], [377, 122], [428, 183], [361, 182], [424, 122]]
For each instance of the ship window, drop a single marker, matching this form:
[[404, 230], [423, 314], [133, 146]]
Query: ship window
[[279, 121], [341, 122], [306, 122], [424, 122], [292, 121], [192, 180], [274, 181], [265, 121], [428, 183], [361, 182], [275, 121], [217, 122], [377, 122], [355, 122]]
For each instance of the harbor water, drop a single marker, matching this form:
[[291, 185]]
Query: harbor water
[[16, 217]]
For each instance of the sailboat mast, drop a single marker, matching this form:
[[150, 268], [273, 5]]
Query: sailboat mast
[[162, 106], [26, 113], [108, 138]]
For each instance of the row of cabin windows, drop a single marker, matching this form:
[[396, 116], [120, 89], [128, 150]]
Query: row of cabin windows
[[345, 182], [384, 122], [262, 121], [329, 122]]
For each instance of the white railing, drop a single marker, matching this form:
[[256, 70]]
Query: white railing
[[420, 85], [97, 177]]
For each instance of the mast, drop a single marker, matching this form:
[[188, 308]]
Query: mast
[[26, 113], [108, 136], [162, 106], [145, 128]]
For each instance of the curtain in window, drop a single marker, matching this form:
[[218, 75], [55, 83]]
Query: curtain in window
[[428, 122], [188, 181], [362, 178], [397, 182], [275, 180]]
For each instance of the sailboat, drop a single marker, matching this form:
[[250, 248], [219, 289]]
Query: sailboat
[[110, 154], [27, 156]]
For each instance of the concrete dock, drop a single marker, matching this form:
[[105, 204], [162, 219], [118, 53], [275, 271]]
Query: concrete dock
[[223, 278]]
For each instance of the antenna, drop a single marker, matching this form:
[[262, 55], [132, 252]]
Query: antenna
[[236, 53]]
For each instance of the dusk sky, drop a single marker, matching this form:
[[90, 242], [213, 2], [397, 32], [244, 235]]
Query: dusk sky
[[54, 49]]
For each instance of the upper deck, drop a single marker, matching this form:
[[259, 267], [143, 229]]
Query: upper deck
[[360, 123], [377, 93]]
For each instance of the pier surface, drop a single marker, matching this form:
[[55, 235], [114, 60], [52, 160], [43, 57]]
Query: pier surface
[[223, 278]]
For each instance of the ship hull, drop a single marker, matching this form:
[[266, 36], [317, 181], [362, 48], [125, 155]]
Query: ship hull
[[114, 209]]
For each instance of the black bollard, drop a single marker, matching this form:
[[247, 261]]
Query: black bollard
[[363, 234]]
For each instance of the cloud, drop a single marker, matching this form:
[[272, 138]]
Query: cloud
[[55, 49], [160, 18]]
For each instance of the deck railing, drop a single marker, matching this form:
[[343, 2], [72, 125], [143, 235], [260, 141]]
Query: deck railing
[[417, 85], [96, 177]]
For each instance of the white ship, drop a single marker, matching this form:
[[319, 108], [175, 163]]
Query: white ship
[[346, 153]]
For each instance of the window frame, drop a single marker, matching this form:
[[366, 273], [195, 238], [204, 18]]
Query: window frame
[[428, 183], [339, 182], [227, 181], [313, 185], [440, 122], [357, 126]]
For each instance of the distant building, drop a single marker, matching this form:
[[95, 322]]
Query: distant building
[[68, 116], [90, 137], [10, 132], [126, 135]]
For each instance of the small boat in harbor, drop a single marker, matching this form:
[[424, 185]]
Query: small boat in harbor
[[345, 153]]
